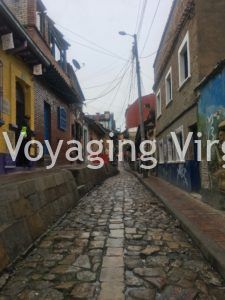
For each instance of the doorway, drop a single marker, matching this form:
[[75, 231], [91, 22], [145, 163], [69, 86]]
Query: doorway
[[20, 105], [47, 125], [195, 165], [20, 117]]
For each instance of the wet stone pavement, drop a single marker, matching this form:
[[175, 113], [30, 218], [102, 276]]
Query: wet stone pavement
[[119, 243]]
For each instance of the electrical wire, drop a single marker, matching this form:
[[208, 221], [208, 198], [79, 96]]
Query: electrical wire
[[105, 92], [137, 20], [134, 82], [127, 101], [141, 19], [91, 42], [150, 55], [151, 25], [102, 71], [94, 49], [103, 95], [100, 85], [117, 91]]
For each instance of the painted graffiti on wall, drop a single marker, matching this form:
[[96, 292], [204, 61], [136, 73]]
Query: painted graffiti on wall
[[182, 175], [212, 125]]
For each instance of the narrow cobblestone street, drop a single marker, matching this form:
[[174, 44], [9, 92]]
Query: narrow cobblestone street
[[118, 243]]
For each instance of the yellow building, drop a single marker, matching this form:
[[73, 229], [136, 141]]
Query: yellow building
[[20, 59]]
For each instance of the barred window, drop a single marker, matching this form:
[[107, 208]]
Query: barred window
[[62, 118]]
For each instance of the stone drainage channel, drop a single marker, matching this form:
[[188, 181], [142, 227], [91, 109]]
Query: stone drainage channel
[[118, 243]]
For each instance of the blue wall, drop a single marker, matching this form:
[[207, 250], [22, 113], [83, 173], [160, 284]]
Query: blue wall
[[184, 175]]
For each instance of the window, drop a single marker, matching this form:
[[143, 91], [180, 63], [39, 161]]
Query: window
[[158, 104], [180, 137], [161, 152], [40, 21], [169, 88], [57, 54], [170, 149], [184, 60], [62, 118]]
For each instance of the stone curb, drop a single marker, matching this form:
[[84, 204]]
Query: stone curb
[[211, 251]]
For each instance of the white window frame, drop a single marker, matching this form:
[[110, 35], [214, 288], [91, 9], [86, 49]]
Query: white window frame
[[38, 20], [179, 130], [186, 41], [168, 98], [170, 146], [158, 108], [161, 151]]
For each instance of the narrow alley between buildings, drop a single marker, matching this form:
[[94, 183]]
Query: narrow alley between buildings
[[118, 243]]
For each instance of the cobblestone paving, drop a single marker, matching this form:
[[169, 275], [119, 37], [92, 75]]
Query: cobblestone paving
[[119, 243]]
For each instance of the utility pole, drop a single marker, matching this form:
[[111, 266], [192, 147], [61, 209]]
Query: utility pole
[[141, 115]]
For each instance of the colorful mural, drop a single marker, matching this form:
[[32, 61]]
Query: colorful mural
[[212, 124]]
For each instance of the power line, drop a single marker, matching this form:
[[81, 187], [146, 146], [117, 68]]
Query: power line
[[117, 91], [131, 83], [96, 50], [151, 25], [102, 71], [137, 20], [141, 18], [103, 84], [150, 55], [91, 42], [134, 82], [105, 93]]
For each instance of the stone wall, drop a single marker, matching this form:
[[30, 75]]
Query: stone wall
[[32, 204]]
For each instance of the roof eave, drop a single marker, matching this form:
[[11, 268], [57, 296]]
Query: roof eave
[[15, 23]]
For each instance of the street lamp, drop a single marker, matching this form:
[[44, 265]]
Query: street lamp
[[135, 51], [141, 115], [122, 33]]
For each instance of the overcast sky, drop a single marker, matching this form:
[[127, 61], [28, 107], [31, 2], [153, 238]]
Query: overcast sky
[[99, 21]]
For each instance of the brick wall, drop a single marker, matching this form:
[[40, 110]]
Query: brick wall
[[31, 12], [184, 97], [19, 8], [211, 28], [44, 93], [44, 47], [25, 11], [180, 12], [205, 22]]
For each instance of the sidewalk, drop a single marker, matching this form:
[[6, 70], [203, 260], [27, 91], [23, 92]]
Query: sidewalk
[[203, 223]]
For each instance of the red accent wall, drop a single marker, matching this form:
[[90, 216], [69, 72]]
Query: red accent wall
[[132, 113]]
